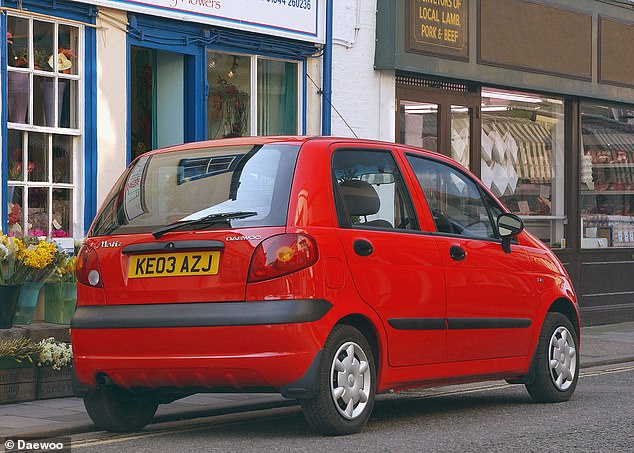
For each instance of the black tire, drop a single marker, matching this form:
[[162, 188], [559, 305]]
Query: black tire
[[345, 396], [556, 361], [118, 410]]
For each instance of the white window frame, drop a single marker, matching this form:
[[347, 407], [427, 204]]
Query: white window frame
[[76, 134]]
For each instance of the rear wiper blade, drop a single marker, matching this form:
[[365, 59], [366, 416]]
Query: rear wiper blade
[[211, 218]]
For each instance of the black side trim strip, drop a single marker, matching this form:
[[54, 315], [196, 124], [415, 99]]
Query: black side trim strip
[[203, 314], [458, 323], [417, 323], [487, 323], [172, 246]]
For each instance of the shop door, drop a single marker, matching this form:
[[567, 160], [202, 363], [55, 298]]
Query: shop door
[[157, 99], [439, 120]]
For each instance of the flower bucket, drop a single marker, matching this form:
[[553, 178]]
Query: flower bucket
[[8, 301], [29, 294], [59, 302]]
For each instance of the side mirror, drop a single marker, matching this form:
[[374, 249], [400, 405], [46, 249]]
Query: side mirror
[[509, 225]]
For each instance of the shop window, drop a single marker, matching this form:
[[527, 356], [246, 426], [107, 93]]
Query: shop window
[[277, 97], [461, 134], [607, 176], [522, 146], [419, 124], [43, 112], [232, 105], [229, 101]]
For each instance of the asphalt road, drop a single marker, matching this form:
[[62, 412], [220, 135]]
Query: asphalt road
[[478, 418]]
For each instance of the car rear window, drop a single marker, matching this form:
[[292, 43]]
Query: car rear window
[[160, 189]]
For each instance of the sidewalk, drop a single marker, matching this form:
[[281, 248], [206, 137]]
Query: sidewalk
[[600, 345]]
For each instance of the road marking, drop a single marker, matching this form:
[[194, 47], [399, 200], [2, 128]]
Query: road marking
[[608, 371]]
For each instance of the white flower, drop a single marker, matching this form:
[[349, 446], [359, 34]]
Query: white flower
[[55, 354], [4, 252]]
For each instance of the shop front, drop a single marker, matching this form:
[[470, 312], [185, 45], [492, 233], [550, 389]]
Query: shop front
[[537, 98], [91, 85]]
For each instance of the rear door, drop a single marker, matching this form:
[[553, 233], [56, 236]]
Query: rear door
[[181, 226], [490, 293], [396, 268]]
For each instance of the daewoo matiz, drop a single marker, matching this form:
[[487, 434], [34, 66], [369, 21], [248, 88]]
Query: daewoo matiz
[[326, 269]]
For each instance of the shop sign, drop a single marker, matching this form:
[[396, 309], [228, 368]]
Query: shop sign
[[439, 27], [298, 19]]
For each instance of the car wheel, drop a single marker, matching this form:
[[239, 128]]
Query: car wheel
[[556, 362], [118, 410], [347, 384]]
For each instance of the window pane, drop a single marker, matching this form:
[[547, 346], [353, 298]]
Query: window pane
[[62, 159], [419, 124], [373, 191], [460, 134], [62, 213], [37, 166], [38, 211], [43, 33], [16, 156], [15, 219], [17, 42], [67, 49], [277, 97], [67, 96], [228, 104], [453, 199], [607, 176], [522, 158]]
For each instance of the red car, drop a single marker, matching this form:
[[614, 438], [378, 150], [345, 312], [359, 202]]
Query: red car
[[326, 269]]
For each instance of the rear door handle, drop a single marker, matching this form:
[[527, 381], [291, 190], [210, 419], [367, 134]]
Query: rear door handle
[[457, 253], [362, 247]]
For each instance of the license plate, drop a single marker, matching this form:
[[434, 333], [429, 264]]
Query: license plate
[[174, 264]]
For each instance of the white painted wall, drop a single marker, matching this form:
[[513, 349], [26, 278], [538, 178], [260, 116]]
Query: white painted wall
[[364, 97], [112, 112]]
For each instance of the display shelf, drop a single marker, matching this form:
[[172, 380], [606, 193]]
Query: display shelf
[[607, 192], [615, 165]]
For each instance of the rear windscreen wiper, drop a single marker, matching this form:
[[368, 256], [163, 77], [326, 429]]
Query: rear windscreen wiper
[[208, 219]]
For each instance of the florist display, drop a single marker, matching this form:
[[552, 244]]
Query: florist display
[[60, 292], [17, 371], [30, 370], [27, 263]]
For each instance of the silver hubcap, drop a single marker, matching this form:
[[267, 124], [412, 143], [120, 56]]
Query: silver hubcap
[[350, 380], [563, 362]]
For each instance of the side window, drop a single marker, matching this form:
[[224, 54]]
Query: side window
[[456, 204], [372, 191]]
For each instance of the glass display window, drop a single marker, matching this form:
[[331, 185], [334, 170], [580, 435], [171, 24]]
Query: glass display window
[[522, 158], [251, 95], [607, 175], [43, 124]]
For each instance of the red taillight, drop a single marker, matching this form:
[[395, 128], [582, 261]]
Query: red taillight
[[87, 269], [282, 255]]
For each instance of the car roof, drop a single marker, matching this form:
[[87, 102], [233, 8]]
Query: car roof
[[298, 140]]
